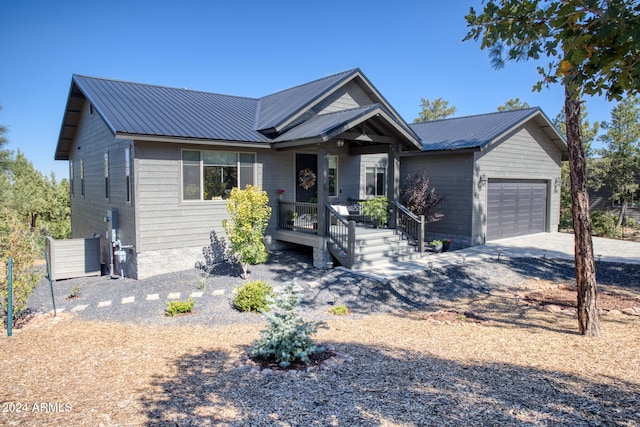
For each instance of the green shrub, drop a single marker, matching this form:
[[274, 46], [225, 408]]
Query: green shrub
[[249, 214], [377, 209], [178, 307], [631, 222], [19, 243], [252, 296], [339, 310], [287, 338], [74, 292], [603, 224]]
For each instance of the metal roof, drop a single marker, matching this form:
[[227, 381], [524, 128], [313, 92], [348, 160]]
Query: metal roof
[[326, 126], [135, 110], [475, 132], [139, 109], [278, 107]]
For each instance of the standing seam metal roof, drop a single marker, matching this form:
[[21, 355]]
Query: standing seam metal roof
[[468, 132], [278, 107], [133, 108]]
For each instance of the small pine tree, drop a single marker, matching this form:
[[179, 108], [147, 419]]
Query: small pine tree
[[287, 337]]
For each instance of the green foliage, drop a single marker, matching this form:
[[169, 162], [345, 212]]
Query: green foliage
[[74, 291], [566, 217], [632, 223], [377, 209], [250, 213], [434, 110], [18, 242], [287, 337], [339, 310], [619, 166], [416, 195], [253, 296], [513, 104], [5, 155], [603, 224], [593, 46], [435, 242], [179, 307]]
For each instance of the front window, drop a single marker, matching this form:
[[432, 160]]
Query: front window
[[210, 175], [376, 181]]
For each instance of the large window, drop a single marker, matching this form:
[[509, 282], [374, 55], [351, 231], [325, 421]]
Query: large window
[[376, 181], [210, 175]]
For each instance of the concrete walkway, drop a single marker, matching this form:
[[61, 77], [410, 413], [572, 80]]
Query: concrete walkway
[[542, 245]]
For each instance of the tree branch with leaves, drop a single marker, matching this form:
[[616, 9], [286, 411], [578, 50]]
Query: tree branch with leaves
[[593, 48]]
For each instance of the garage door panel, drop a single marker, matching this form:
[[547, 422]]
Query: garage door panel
[[516, 208]]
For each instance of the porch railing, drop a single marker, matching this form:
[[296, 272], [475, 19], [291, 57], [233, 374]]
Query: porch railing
[[298, 216], [410, 225], [342, 237]]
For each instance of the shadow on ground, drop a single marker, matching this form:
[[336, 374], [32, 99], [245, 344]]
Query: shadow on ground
[[383, 386]]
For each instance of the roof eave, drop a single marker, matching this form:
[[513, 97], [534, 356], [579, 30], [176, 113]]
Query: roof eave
[[197, 141]]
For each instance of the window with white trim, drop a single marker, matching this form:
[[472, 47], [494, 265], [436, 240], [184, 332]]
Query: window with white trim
[[376, 181], [210, 175]]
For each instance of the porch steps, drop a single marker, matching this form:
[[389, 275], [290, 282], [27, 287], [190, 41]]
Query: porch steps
[[379, 246]]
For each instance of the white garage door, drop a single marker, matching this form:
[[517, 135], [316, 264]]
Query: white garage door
[[516, 208]]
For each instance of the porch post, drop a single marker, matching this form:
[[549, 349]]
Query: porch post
[[323, 187], [393, 178]]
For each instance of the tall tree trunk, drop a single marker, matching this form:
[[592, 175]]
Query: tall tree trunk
[[623, 213], [588, 321]]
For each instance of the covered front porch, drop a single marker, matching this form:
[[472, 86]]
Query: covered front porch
[[349, 237]]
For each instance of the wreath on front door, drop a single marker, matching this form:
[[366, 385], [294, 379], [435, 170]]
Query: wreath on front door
[[306, 178]]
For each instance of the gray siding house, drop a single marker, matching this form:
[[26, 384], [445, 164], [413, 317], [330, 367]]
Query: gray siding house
[[500, 173], [150, 167]]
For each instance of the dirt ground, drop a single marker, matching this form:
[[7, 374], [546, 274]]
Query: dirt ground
[[502, 360]]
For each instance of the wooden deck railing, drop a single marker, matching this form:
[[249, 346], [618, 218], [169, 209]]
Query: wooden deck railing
[[342, 237], [410, 225], [341, 231]]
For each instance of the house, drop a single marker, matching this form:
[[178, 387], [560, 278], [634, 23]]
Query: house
[[150, 168], [500, 173]]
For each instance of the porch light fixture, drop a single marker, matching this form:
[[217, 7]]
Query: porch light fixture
[[340, 142], [483, 180], [557, 183]]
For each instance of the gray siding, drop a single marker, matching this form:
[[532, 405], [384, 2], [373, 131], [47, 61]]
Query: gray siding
[[73, 258], [92, 139], [452, 175], [348, 97], [525, 154]]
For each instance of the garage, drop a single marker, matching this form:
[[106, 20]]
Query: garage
[[516, 208]]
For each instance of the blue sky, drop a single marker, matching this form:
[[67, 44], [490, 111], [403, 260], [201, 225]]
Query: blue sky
[[408, 49]]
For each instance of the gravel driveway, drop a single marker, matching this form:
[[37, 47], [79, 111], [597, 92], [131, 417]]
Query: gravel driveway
[[144, 301]]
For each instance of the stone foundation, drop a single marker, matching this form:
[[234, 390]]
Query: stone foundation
[[152, 263]]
